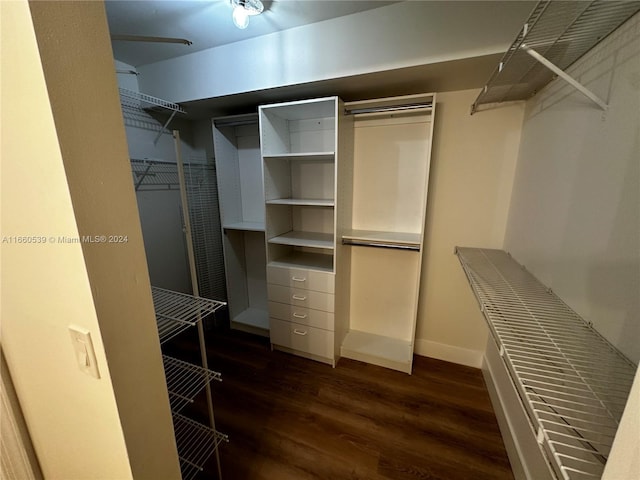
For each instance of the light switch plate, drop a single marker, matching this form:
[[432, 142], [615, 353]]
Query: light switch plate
[[83, 350]]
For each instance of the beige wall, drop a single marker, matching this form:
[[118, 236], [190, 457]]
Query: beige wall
[[65, 173], [472, 168], [575, 213], [73, 418]]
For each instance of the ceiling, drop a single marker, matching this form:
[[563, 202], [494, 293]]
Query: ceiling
[[207, 23]]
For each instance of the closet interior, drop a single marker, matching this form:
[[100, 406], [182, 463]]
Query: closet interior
[[306, 221]]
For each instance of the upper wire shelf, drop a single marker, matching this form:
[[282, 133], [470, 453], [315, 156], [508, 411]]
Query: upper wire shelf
[[144, 101], [573, 383], [559, 31], [176, 312]]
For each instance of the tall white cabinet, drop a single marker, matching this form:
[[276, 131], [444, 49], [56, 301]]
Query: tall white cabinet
[[300, 158], [240, 190], [381, 269], [323, 220]]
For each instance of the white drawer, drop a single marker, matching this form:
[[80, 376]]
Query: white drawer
[[301, 337], [302, 278], [300, 298], [301, 315]]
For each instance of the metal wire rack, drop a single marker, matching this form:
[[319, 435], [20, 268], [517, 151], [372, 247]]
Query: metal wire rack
[[561, 32], [196, 443], [572, 382], [175, 312], [185, 380], [144, 101], [202, 193], [154, 175]]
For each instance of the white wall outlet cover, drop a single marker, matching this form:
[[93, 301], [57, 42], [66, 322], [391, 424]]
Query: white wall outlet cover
[[83, 350]]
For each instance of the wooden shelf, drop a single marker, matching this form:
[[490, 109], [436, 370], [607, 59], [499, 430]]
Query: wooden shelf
[[383, 351], [305, 239], [309, 156], [253, 317], [245, 226], [309, 202], [314, 261]]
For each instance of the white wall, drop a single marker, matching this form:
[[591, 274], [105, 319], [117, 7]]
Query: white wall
[[65, 173], [472, 168], [575, 212], [73, 418], [400, 35]]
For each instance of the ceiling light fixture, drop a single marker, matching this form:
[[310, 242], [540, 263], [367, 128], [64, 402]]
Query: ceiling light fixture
[[243, 9]]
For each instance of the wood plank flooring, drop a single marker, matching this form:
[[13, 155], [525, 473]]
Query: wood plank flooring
[[289, 418]]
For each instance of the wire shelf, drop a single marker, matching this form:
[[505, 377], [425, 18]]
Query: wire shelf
[[143, 101], [185, 380], [573, 383], [196, 443], [559, 31], [154, 175], [175, 312]]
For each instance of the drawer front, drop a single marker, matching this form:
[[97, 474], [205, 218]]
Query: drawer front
[[301, 298], [301, 315], [302, 338], [301, 278]]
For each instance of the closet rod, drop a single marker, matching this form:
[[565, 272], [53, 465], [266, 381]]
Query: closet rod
[[235, 123], [390, 108], [364, 243]]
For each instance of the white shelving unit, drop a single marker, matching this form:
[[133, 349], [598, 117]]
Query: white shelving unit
[[569, 382], [388, 197], [299, 143], [175, 312], [240, 190]]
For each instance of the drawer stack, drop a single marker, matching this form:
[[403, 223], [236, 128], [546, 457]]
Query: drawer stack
[[301, 311]]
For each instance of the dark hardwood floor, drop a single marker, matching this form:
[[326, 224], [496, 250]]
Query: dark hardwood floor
[[289, 418]]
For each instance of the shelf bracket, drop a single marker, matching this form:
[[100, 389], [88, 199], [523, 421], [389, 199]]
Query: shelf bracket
[[566, 77], [164, 127]]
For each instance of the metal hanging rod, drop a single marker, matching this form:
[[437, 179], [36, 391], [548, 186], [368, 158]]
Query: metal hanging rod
[[143, 38], [236, 120], [389, 108], [366, 243], [128, 72]]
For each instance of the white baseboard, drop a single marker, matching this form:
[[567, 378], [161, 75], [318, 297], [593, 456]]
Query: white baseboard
[[448, 353]]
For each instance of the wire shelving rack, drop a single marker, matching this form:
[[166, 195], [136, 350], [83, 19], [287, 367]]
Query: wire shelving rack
[[572, 382]]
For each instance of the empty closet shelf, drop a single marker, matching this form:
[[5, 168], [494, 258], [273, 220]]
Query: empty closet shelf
[[245, 226], [253, 317], [315, 261], [175, 312], [378, 349], [371, 238], [196, 443], [305, 239], [307, 202], [185, 380], [308, 156], [573, 383]]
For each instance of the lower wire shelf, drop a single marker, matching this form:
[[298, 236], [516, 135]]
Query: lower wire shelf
[[572, 382], [185, 380], [196, 443]]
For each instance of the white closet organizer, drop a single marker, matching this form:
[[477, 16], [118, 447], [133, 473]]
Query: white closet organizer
[[175, 312], [240, 190], [390, 175], [299, 151], [561, 386]]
